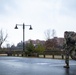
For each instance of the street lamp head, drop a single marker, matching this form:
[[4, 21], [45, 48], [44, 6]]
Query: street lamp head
[[16, 27], [30, 27]]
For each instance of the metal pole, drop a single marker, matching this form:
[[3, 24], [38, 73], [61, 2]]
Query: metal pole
[[23, 35], [23, 38]]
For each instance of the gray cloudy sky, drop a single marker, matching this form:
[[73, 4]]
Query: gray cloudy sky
[[41, 14]]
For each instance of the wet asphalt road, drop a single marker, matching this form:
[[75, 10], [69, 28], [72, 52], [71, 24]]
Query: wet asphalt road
[[35, 66]]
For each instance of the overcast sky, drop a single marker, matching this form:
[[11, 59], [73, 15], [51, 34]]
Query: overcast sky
[[41, 14]]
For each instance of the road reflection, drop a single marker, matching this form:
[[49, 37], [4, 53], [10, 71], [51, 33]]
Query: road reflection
[[35, 66], [67, 71]]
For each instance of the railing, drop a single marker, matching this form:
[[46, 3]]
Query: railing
[[11, 52], [52, 53]]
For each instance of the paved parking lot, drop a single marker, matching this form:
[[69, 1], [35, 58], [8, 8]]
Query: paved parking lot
[[35, 66]]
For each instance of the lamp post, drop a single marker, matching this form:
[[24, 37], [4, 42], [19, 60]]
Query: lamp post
[[16, 27]]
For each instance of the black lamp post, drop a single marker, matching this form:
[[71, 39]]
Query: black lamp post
[[16, 27]]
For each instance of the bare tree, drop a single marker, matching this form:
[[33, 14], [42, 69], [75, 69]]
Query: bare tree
[[50, 33], [50, 43], [47, 34], [53, 33], [2, 38], [53, 39]]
